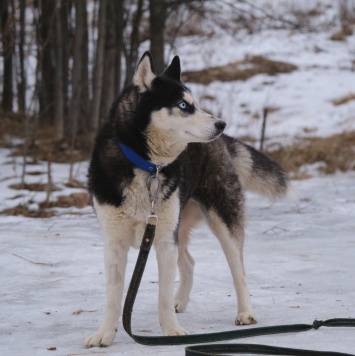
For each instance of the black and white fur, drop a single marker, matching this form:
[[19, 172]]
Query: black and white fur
[[204, 176]]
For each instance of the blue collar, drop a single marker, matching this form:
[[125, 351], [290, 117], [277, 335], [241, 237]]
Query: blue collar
[[138, 160]]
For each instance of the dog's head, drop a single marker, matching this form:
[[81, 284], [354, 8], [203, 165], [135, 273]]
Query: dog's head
[[173, 110]]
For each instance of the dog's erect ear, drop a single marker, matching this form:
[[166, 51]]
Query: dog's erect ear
[[144, 75], [174, 70]]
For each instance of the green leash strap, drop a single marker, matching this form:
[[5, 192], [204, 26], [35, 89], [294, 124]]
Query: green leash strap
[[218, 349]]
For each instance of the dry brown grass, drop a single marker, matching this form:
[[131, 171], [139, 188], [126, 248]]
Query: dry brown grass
[[241, 70], [59, 151], [337, 152], [33, 187], [344, 99], [23, 210], [341, 35], [12, 124], [43, 141], [79, 200]]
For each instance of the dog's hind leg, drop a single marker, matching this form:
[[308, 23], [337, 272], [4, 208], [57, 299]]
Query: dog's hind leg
[[115, 255], [190, 217], [231, 239]]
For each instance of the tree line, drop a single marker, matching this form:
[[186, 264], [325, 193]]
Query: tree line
[[64, 61]]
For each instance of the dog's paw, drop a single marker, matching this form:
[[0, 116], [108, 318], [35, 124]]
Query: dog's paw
[[245, 318], [102, 338], [178, 330], [180, 305]]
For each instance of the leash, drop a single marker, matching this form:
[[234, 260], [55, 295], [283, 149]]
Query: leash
[[213, 349]]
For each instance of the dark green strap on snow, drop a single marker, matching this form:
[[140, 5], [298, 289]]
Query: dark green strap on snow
[[218, 349]]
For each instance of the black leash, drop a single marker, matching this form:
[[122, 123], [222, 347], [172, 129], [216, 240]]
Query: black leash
[[217, 349]]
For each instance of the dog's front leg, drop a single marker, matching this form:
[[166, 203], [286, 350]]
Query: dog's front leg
[[115, 266], [167, 255]]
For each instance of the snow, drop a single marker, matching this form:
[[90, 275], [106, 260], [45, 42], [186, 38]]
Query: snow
[[299, 253], [299, 259], [303, 98], [11, 170]]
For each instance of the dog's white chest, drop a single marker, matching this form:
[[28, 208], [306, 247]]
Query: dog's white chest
[[127, 222], [136, 197]]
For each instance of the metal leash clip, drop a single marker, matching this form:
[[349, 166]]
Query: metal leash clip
[[152, 218]]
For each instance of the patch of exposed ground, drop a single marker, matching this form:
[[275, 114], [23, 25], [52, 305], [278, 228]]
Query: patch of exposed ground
[[11, 124], [45, 209], [56, 151], [24, 210], [33, 187], [78, 200], [344, 99], [337, 152], [342, 34], [43, 143], [240, 70]]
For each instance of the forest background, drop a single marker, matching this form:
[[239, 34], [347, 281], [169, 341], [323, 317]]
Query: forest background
[[62, 63]]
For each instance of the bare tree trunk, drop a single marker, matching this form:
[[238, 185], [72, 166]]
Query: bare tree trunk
[[49, 189], [263, 128], [99, 67], [158, 13], [37, 97], [59, 76], [21, 88], [84, 122], [25, 150], [67, 46], [132, 52], [113, 47], [77, 71], [119, 45], [45, 41], [7, 38]]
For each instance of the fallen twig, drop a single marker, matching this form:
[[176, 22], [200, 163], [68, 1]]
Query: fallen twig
[[273, 229], [36, 263], [77, 312]]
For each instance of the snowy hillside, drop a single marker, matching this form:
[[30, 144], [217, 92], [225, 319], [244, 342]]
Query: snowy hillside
[[302, 101]]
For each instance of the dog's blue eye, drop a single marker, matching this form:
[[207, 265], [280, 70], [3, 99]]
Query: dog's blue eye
[[182, 105]]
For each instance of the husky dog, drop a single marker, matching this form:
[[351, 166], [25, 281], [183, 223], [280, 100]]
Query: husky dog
[[204, 174]]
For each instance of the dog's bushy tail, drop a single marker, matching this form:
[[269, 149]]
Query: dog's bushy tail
[[257, 172]]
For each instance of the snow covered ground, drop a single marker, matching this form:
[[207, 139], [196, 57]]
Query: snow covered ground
[[299, 258]]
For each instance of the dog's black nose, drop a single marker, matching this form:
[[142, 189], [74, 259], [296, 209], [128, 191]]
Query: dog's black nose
[[220, 125]]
